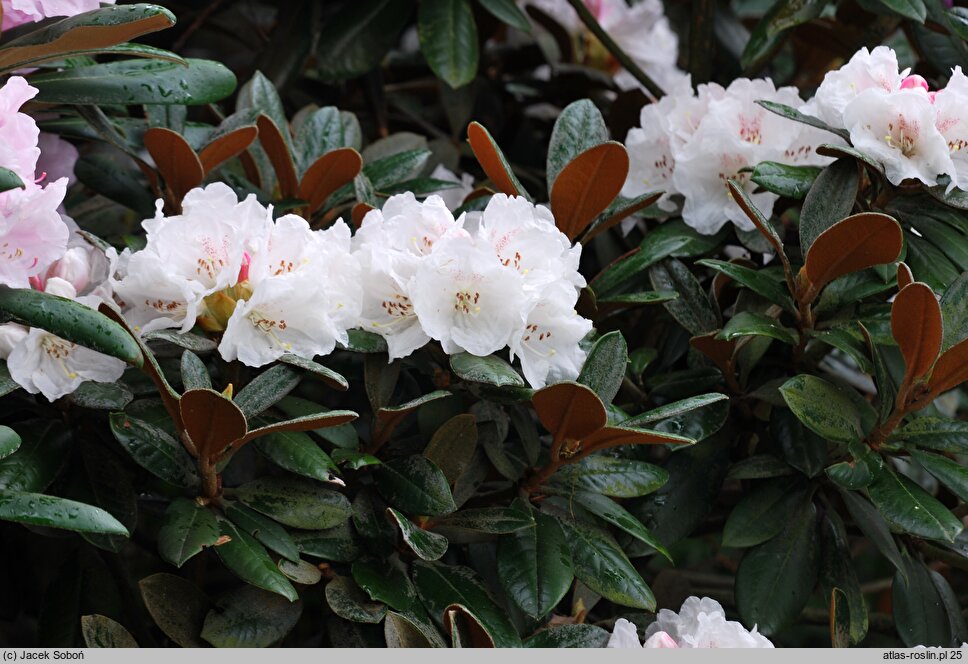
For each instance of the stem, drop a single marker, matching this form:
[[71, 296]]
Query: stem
[[701, 42], [592, 24], [210, 479]]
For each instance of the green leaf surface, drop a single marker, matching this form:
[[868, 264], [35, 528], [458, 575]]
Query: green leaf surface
[[605, 366], [775, 579], [770, 286], [247, 617], [415, 485], [830, 199], [350, 602], [601, 565], [448, 39], [155, 450], [248, 559], [298, 453], [295, 502], [935, 433], [135, 82], [747, 323], [177, 606], [101, 632], [69, 320], [37, 509], [908, 508], [268, 532], [186, 529], [580, 126], [266, 389], [762, 513], [823, 407], [610, 476], [491, 370], [355, 40], [694, 309], [427, 545], [783, 180]]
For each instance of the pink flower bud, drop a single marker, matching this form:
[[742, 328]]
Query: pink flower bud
[[660, 640], [244, 270], [914, 81], [74, 267]]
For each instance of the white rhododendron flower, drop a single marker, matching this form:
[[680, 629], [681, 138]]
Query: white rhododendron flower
[[32, 233], [691, 144], [466, 298], [951, 106], [898, 129], [18, 131], [641, 30], [700, 623], [43, 363], [19, 12], [407, 225], [866, 70], [57, 159]]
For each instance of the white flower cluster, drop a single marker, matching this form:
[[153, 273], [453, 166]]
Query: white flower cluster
[[700, 623], [690, 144], [895, 118], [641, 30], [40, 249], [502, 278], [505, 277], [270, 287]]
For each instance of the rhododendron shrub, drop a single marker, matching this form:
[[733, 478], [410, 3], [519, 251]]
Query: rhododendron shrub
[[587, 323]]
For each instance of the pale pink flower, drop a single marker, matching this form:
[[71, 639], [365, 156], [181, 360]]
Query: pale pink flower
[[19, 12]]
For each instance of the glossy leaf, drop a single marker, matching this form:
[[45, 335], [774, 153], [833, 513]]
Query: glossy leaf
[[916, 325], [448, 39], [348, 601], [187, 528], [176, 160], [212, 421], [415, 485], [247, 617], [784, 180], [52, 512], [908, 508], [426, 545], [268, 532], [493, 161], [452, 446], [587, 185], [569, 410], [611, 476], [830, 199], [694, 309], [490, 369], [298, 453], [155, 450], [102, 632], [242, 554], [823, 408], [579, 127], [177, 606]]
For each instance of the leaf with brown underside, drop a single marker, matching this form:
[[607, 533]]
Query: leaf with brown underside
[[569, 410], [73, 35], [951, 369], [720, 351], [327, 174], [492, 160], [226, 147], [330, 418], [276, 147], [175, 159], [616, 436], [904, 276], [916, 326], [856, 243], [359, 211], [587, 185], [460, 619], [621, 215], [762, 223], [212, 421]]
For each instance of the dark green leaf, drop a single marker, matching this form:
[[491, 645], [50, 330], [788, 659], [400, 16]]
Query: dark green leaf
[[604, 368], [349, 602], [325, 374], [9, 180], [427, 545], [747, 323], [608, 510], [396, 168], [601, 565], [580, 126], [355, 40], [694, 309], [784, 180], [919, 612], [762, 513], [837, 571], [248, 559], [954, 312], [908, 508], [177, 606], [823, 407], [385, 583], [9, 441], [508, 12], [912, 9], [935, 433], [40, 458], [795, 115], [950, 473], [801, 447], [465, 524], [337, 543], [186, 529], [491, 370], [610, 476], [52, 512], [297, 452], [154, 450], [250, 618], [415, 485], [872, 524], [569, 636], [69, 320], [264, 529], [775, 579], [770, 286], [266, 389], [194, 373], [440, 586], [452, 446], [759, 466], [101, 396], [830, 199], [102, 632], [133, 82], [295, 502], [448, 39]]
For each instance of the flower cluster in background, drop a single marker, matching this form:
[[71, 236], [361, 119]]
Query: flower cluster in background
[[690, 144], [700, 623], [502, 278], [641, 30], [895, 118]]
